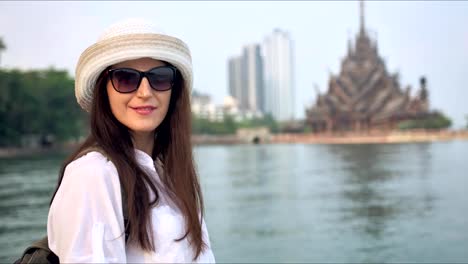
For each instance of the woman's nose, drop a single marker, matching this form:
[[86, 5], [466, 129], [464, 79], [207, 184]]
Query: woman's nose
[[144, 90]]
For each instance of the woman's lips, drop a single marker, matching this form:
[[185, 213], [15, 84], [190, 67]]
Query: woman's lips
[[144, 110]]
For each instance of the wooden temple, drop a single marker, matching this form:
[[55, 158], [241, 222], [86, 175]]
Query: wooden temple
[[364, 96]]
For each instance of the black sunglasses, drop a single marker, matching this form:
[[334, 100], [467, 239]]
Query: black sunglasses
[[127, 80]]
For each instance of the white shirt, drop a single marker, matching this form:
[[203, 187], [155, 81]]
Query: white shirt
[[86, 224]]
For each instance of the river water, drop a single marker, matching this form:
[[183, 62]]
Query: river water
[[295, 202]]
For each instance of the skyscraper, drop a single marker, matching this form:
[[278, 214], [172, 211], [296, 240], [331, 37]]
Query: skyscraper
[[246, 79], [253, 81], [279, 75], [235, 80]]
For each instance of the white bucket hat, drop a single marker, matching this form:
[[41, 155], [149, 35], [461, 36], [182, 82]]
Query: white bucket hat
[[128, 40]]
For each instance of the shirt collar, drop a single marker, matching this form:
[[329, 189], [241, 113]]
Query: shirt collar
[[143, 158]]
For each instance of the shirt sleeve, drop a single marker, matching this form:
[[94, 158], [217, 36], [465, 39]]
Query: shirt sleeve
[[207, 255], [85, 222]]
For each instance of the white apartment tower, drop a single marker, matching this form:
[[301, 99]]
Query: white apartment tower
[[278, 74]]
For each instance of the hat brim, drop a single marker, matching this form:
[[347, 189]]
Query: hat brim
[[95, 59]]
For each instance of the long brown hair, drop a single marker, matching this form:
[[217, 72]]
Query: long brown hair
[[174, 150]]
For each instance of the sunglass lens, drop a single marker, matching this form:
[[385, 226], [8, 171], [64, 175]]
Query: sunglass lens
[[125, 80], [161, 79]]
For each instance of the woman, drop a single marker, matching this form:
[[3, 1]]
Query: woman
[[135, 82]]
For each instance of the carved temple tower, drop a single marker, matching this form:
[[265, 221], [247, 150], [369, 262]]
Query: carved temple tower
[[364, 95]]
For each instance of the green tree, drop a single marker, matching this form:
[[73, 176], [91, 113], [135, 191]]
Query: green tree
[[435, 121], [39, 103], [266, 121], [229, 126]]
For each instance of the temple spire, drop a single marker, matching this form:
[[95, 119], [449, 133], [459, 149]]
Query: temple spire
[[361, 11]]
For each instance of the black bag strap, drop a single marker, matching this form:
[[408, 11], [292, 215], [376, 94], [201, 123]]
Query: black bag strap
[[43, 244], [38, 252]]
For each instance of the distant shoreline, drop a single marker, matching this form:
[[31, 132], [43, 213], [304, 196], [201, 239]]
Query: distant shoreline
[[303, 138], [12, 152], [373, 138]]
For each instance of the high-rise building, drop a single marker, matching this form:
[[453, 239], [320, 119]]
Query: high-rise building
[[278, 75], [253, 81], [236, 80], [246, 79]]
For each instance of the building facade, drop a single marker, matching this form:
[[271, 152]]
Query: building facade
[[235, 80], [253, 80], [246, 80], [278, 58]]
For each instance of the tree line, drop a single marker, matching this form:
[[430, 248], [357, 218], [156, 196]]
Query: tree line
[[39, 104], [435, 121], [228, 125]]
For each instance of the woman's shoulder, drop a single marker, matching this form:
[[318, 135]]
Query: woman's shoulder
[[91, 159], [93, 165]]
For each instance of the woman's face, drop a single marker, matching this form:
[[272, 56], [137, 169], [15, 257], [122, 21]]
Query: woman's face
[[143, 110]]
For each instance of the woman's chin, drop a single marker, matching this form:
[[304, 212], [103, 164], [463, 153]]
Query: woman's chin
[[143, 130]]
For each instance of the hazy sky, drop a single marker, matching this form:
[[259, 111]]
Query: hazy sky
[[416, 38]]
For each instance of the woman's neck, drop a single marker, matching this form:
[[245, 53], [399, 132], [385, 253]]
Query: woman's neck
[[144, 141]]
